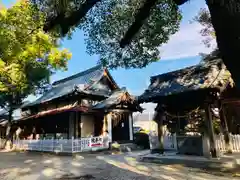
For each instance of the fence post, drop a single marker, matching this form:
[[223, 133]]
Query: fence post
[[61, 146], [43, 144], [52, 144], [30, 145], [72, 144], [102, 142], [90, 142], [175, 141]]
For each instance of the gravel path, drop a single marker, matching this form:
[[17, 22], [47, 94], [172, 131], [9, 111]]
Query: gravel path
[[36, 166]]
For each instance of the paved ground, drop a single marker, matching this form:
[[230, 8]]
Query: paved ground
[[35, 166]]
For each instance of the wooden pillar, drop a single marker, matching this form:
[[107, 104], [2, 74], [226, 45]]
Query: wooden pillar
[[71, 125], [79, 124], [130, 119], [105, 126], [34, 132], [109, 123], [209, 123], [76, 124], [224, 125]]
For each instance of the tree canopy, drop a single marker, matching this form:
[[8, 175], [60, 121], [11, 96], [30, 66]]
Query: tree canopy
[[225, 16], [28, 55], [106, 23], [204, 18]]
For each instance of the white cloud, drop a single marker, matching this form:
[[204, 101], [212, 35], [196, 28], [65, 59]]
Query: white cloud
[[187, 42], [147, 114], [149, 107]]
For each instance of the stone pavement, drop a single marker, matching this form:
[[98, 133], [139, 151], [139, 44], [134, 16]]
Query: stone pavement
[[227, 163], [37, 166]]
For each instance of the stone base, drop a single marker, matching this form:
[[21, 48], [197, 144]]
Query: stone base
[[155, 151]]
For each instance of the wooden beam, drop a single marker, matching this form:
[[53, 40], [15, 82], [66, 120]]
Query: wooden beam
[[229, 101], [119, 110]]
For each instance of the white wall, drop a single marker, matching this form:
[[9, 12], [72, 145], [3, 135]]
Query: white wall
[[87, 125]]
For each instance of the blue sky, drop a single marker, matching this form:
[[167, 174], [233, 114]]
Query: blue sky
[[136, 80], [181, 51]]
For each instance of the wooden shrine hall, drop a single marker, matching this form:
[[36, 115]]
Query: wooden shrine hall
[[88, 104], [191, 95]]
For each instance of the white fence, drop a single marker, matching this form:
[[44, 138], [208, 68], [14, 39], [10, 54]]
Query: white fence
[[63, 145], [234, 141]]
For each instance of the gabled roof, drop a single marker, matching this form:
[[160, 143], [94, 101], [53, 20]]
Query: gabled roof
[[119, 97], [210, 74], [80, 82]]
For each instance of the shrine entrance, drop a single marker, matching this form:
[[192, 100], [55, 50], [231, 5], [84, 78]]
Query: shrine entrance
[[121, 127]]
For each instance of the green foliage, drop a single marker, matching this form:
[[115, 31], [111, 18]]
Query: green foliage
[[107, 23], [204, 18], [28, 56], [141, 139]]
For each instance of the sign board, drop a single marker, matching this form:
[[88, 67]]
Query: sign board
[[96, 141]]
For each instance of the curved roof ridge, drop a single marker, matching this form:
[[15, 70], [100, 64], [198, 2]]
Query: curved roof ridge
[[98, 67]]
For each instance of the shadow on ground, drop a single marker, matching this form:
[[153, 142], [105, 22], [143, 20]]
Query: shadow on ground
[[224, 167], [41, 166]]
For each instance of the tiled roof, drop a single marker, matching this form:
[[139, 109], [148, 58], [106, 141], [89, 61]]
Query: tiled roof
[[208, 74], [115, 99], [79, 82]]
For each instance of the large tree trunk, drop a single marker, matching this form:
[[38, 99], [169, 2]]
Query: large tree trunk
[[225, 16], [8, 144]]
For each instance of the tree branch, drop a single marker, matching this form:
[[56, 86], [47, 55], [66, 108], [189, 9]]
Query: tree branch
[[67, 22], [140, 17], [180, 2]]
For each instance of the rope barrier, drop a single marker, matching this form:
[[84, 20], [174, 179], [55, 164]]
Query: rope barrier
[[181, 116]]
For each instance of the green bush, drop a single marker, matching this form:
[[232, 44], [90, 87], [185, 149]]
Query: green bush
[[142, 139]]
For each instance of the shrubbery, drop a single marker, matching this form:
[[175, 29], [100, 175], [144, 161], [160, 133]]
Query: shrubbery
[[142, 139]]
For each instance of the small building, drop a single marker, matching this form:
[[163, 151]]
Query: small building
[[88, 105], [189, 96]]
